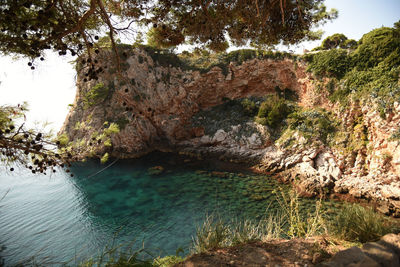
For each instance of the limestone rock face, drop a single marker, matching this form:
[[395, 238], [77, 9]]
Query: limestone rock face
[[371, 171], [156, 101]]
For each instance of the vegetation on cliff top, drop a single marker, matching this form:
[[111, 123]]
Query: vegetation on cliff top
[[203, 60], [369, 69]]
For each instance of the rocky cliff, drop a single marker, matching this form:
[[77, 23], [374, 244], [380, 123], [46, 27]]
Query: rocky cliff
[[164, 105]]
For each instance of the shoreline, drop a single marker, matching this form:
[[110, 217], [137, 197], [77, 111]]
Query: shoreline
[[214, 163]]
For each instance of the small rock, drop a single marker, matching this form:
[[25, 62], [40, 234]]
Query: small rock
[[205, 139], [381, 254], [391, 241], [384, 208], [197, 131], [353, 256], [317, 257], [220, 136]]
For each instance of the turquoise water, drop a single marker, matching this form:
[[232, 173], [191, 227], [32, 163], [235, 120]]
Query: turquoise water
[[62, 219]]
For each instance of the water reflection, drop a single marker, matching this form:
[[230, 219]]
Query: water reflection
[[43, 217]]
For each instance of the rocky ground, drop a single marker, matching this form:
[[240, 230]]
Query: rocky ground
[[316, 251]]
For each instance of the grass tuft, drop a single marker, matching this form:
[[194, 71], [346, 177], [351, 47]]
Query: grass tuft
[[359, 224], [288, 223], [212, 234]]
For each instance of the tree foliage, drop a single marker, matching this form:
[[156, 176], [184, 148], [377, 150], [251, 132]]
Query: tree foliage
[[41, 152], [334, 41], [259, 22], [28, 27], [22, 146], [337, 40]]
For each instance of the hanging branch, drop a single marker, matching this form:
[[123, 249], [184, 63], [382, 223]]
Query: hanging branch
[[282, 11], [299, 11], [258, 9], [106, 19], [79, 25]]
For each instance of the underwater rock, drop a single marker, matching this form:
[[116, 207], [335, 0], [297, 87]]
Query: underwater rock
[[156, 170]]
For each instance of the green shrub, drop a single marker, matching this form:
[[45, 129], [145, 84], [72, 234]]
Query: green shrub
[[313, 123], [371, 70], [377, 45], [331, 85], [262, 121], [356, 223], [96, 94], [334, 41], [240, 56], [167, 261], [378, 77], [331, 63], [273, 111], [340, 95], [249, 107], [204, 61], [286, 94], [349, 44]]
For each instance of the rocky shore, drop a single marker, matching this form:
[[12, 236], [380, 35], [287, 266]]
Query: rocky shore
[[162, 106]]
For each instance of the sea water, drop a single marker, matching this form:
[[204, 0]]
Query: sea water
[[63, 219]]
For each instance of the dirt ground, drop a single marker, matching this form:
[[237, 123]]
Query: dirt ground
[[274, 253]]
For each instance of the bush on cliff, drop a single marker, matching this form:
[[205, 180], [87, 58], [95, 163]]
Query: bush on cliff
[[337, 40], [377, 46], [332, 63], [273, 111], [312, 123], [95, 95], [204, 61], [371, 70], [250, 107]]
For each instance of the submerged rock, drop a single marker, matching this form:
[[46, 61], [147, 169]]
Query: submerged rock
[[156, 170]]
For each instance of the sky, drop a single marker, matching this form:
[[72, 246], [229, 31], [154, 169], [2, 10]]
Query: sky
[[50, 88]]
